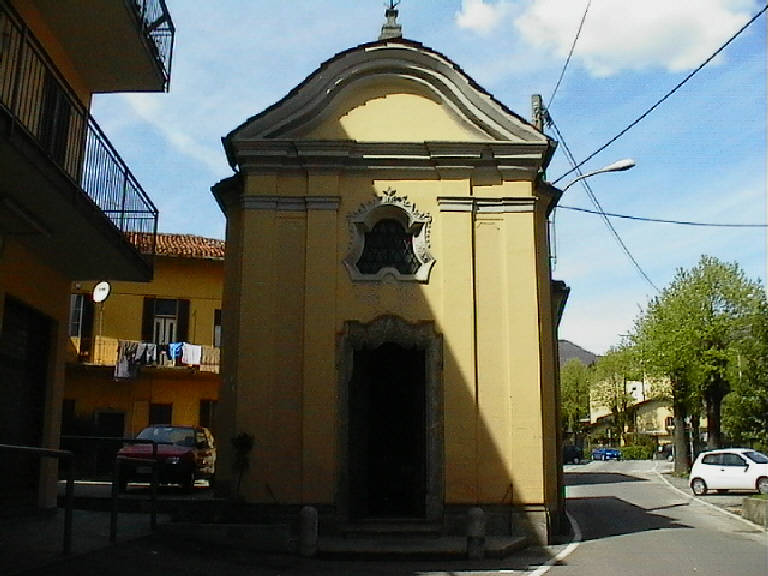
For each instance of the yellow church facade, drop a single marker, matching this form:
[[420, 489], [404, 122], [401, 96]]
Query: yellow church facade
[[389, 316]]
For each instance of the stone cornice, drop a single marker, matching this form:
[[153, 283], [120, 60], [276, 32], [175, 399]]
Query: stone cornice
[[290, 203], [486, 205], [500, 160]]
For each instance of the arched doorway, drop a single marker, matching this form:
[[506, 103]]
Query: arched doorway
[[391, 464], [387, 432]]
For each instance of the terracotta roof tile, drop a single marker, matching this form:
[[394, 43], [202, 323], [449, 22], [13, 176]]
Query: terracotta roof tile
[[184, 246]]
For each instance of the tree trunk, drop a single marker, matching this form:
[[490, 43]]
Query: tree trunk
[[682, 452], [696, 434], [714, 402]]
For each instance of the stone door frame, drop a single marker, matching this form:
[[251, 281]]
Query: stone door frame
[[421, 335]]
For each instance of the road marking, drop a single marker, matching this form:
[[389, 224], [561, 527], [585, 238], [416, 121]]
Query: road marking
[[543, 569], [563, 554], [704, 502]]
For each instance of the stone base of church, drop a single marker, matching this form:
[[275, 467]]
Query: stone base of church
[[534, 522], [530, 521]]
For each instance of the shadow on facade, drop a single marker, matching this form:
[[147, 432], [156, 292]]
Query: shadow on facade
[[422, 433]]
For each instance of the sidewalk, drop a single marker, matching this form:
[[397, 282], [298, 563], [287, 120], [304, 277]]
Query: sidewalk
[[32, 542], [32, 547]]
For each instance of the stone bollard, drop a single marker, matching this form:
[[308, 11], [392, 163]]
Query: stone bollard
[[308, 531], [475, 534]]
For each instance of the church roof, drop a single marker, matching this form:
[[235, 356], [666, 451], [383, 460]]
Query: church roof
[[394, 55]]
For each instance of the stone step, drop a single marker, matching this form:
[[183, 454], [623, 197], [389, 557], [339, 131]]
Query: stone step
[[394, 528], [414, 547]]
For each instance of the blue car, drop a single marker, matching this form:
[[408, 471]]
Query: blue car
[[606, 454]]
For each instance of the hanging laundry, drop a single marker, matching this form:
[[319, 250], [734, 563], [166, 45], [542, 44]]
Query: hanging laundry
[[175, 350], [211, 359], [150, 356], [191, 354], [127, 364]]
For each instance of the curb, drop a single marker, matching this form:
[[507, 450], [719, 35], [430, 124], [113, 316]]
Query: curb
[[708, 504]]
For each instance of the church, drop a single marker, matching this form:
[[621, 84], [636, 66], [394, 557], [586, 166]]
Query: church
[[389, 328]]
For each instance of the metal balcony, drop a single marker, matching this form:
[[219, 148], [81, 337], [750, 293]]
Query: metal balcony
[[116, 45], [64, 188]]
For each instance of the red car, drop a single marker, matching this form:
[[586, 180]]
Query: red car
[[184, 454]]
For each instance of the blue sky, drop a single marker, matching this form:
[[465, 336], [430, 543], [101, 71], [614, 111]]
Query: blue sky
[[701, 156]]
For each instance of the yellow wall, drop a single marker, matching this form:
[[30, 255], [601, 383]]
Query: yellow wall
[[293, 284], [52, 46], [94, 391], [26, 278]]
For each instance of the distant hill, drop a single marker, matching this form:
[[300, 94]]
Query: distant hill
[[568, 350]]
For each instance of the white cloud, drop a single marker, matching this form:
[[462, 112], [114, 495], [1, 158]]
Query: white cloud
[[174, 130], [481, 17], [629, 35]]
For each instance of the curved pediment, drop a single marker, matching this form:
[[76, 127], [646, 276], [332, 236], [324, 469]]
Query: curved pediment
[[388, 91], [389, 109]]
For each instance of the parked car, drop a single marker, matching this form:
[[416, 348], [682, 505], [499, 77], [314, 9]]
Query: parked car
[[184, 454], [606, 454], [572, 454], [729, 469]]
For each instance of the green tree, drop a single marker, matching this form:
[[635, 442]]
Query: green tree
[[745, 408], [662, 339], [575, 378], [722, 307], [692, 333]]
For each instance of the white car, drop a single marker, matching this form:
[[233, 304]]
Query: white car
[[729, 469]]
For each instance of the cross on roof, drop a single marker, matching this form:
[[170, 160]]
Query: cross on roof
[[391, 28]]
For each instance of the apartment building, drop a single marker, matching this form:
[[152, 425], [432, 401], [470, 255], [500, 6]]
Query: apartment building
[[148, 353], [70, 208]]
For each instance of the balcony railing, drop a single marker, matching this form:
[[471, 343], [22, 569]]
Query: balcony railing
[[40, 102], [158, 28], [105, 352]]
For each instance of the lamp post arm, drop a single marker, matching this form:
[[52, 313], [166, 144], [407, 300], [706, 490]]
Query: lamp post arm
[[618, 166]]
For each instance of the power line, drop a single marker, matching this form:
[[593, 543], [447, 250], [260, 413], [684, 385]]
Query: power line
[[567, 60], [600, 210], [661, 220], [663, 98]]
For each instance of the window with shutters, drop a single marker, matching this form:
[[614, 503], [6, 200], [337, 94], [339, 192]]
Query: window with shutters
[[217, 328], [165, 320], [208, 413], [81, 323]]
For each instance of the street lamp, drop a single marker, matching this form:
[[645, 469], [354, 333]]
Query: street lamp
[[618, 166]]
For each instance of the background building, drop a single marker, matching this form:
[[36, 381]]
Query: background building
[[115, 384], [66, 200]]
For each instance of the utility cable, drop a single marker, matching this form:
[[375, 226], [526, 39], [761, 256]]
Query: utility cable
[[661, 220], [599, 208], [568, 60], [663, 98]]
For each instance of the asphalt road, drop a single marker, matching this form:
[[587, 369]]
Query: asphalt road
[[629, 519], [634, 523]]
